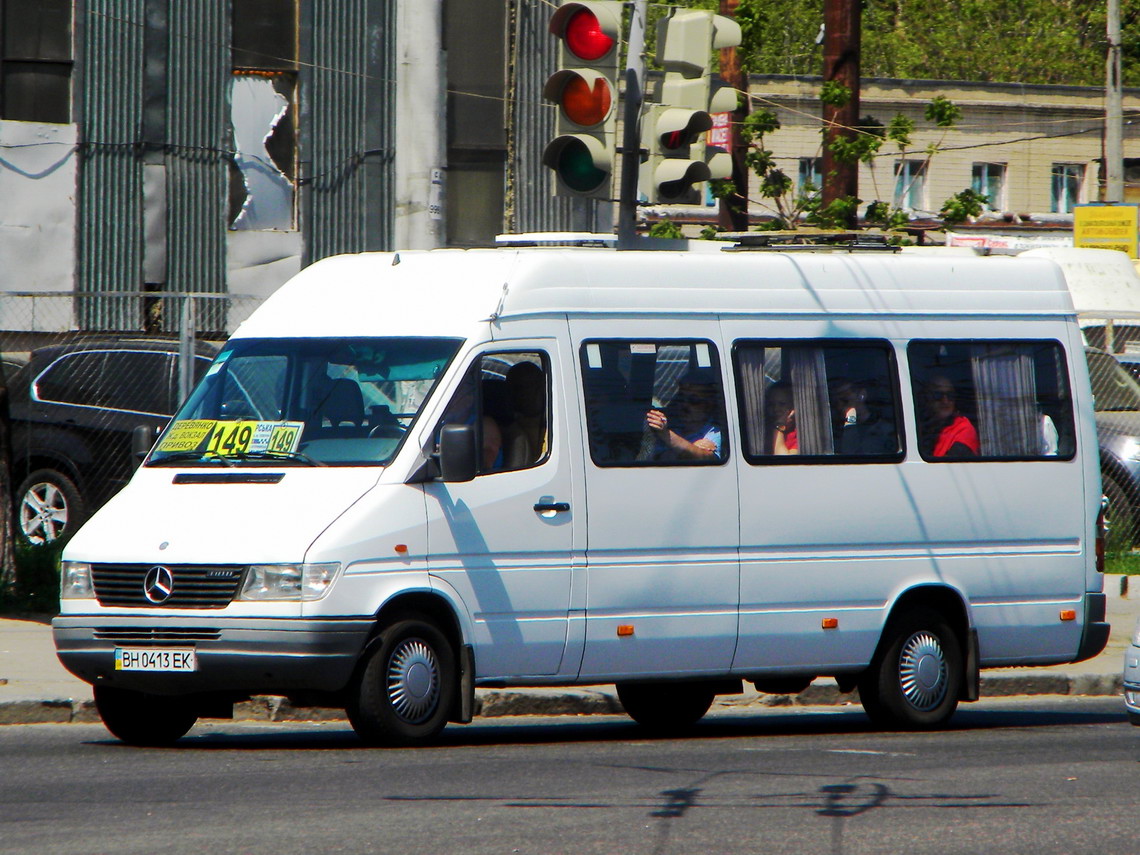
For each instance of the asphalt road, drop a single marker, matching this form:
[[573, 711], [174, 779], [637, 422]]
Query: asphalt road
[[1032, 775]]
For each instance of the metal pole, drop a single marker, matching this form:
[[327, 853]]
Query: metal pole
[[631, 132], [1113, 112], [186, 334]]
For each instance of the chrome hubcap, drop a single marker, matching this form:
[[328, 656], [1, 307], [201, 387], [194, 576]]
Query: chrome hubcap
[[43, 513], [413, 681], [922, 671]]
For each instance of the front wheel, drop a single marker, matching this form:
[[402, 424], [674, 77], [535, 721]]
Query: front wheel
[[665, 708], [139, 718], [915, 679], [406, 686]]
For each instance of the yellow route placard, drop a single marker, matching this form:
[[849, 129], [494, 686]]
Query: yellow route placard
[[1106, 227]]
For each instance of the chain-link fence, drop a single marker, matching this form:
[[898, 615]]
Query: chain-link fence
[[83, 371]]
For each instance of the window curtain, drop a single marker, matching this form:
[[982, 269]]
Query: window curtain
[[808, 374], [750, 361], [1008, 422]]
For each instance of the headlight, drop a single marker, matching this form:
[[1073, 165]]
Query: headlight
[[75, 581], [288, 581]]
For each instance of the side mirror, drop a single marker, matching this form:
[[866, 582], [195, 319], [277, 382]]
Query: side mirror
[[458, 460], [142, 441]]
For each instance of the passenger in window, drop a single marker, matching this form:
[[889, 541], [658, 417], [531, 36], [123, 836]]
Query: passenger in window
[[692, 434], [461, 411], [946, 432], [524, 440], [782, 415], [861, 430]]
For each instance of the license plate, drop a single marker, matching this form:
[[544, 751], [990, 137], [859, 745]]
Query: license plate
[[152, 659]]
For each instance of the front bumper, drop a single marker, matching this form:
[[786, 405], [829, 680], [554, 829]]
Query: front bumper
[[238, 655]]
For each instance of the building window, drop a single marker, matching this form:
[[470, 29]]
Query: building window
[[989, 180], [1068, 179], [263, 98], [35, 60], [809, 179], [910, 184]]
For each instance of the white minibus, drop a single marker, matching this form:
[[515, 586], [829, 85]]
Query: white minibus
[[409, 475]]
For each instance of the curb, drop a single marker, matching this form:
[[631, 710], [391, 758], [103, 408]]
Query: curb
[[498, 703]]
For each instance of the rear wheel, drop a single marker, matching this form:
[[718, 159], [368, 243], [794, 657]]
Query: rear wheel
[[139, 718], [49, 506], [915, 679], [406, 687], [665, 707]]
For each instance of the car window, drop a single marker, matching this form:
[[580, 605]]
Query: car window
[[1114, 389], [73, 379], [138, 381]]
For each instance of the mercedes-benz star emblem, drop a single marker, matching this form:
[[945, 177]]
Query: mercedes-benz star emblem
[[158, 584]]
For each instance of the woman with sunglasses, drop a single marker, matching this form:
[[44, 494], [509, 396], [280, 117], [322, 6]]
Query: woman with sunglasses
[[947, 433]]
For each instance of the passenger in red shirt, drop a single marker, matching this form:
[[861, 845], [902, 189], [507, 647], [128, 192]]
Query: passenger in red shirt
[[947, 433], [783, 414]]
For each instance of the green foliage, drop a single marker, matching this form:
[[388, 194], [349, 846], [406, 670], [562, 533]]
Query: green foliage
[[834, 94], [883, 215], [36, 589], [665, 228], [899, 130], [1028, 41], [963, 205], [710, 232], [835, 215], [943, 112]]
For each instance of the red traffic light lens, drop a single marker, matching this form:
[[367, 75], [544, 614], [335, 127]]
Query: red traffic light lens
[[584, 104], [674, 140], [584, 36]]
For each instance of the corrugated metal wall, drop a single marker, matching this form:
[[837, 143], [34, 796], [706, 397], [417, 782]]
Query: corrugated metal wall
[[198, 137], [348, 95], [110, 168], [536, 58]]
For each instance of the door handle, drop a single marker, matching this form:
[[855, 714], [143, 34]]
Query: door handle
[[544, 507]]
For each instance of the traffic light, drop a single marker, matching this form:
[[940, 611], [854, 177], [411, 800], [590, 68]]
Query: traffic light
[[585, 91], [673, 130]]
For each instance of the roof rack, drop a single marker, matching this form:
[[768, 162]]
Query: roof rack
[[812, 240]]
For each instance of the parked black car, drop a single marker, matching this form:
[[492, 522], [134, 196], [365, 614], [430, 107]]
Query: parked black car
[[1116, 396], [73, 409]]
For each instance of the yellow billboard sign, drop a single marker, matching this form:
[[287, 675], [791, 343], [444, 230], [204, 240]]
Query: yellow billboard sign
[[1106, 227]]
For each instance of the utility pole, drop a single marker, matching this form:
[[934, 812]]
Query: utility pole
[[631, 133], [842, 21], [1113, 112], [733, 214]]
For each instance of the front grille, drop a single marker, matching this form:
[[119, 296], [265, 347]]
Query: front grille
[[150, 635], [196, 586]]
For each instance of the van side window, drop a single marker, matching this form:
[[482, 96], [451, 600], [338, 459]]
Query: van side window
[[992, 400], [826, 401], [506, 396], [653, 403]]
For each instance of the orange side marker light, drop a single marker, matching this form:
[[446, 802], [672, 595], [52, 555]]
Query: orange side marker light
[[1068, 614], [829, 623], [624, 630]]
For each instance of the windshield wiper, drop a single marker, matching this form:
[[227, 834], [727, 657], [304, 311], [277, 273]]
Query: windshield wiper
[[182, 456], [278, 455]]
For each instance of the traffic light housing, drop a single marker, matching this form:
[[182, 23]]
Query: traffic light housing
[[673, 130], [584, 89]]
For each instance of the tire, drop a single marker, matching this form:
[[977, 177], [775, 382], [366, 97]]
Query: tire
[[1119, 519], [138, 718], [48, 507], [406, 686], [915, 679], [665, 708]]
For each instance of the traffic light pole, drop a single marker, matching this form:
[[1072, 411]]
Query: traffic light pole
[[631, 135]]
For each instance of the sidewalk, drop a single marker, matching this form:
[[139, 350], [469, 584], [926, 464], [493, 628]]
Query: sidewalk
[[35, 688]]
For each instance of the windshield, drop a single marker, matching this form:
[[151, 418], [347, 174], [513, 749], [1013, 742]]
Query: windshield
[[1114, 390], [310, 402]]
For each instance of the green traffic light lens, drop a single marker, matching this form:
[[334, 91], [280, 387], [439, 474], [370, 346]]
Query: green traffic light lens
[[577, 170]]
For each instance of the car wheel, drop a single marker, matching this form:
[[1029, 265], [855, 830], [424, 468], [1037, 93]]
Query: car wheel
[[915, 679], [49, 507], [664, 708], [406, 686], [1119, 519], [138, 718]]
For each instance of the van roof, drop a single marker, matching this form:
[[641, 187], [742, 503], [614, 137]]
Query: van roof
[[446, 291]]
